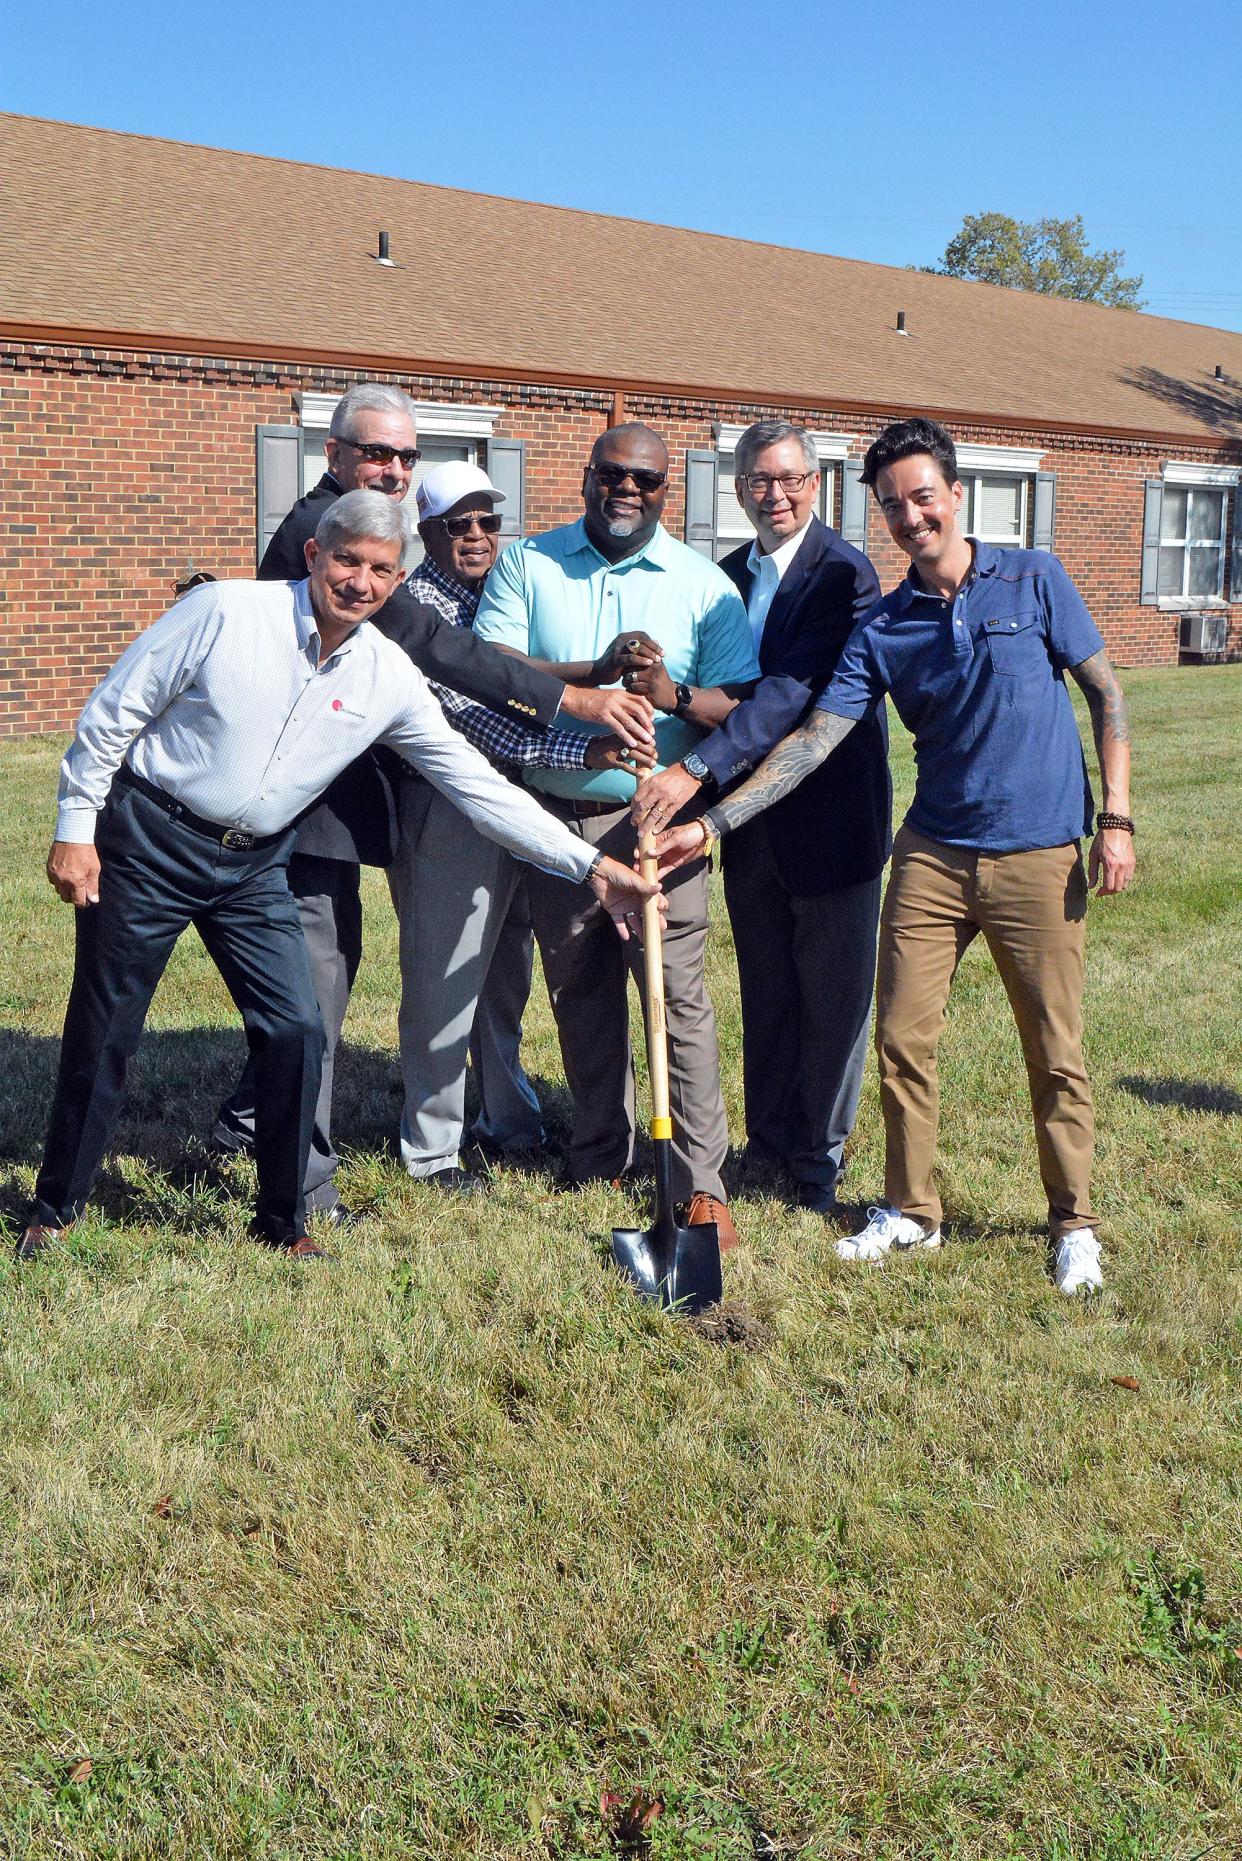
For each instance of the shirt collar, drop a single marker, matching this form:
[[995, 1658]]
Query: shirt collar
[[986, 560], [781, 556], [656, 551], [308, 627], [466, 598]]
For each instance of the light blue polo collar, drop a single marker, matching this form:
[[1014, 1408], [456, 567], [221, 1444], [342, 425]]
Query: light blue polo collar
[[656, 553]]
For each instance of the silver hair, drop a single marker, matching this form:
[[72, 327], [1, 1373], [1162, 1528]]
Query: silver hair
[[367, 396], [362, 513], [765, 433]]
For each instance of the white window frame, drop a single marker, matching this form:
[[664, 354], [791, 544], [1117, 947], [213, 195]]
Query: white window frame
[[435, 419], [831, 449], [1189, 475], [977, 463]]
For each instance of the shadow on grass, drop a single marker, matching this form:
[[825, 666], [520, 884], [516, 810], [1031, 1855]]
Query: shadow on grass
[[176, 1080], [1189, 1094], [175, 1083]]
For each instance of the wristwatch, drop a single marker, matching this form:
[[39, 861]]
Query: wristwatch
[[696, 767], [684, 695]]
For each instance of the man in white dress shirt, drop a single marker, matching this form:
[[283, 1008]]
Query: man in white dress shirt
[[192, 760]]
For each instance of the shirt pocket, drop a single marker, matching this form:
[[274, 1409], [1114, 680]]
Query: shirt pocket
[[1016, 644]]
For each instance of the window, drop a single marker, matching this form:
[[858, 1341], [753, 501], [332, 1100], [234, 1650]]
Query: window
[[998, 509], [1186, 543], [1008, 501], [733, 526], [1192, 542], [716, 522]]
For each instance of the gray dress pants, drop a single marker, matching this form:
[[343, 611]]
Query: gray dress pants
[[806, 969], [452, 889], [585, 965]]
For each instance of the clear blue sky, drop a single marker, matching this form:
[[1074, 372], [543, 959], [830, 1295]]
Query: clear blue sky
[[863, 130]]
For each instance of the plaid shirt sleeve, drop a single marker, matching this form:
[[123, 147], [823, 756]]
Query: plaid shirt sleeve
[[504, 741]]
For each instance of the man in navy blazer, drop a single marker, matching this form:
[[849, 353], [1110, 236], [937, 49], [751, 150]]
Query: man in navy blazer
[[802, 880]]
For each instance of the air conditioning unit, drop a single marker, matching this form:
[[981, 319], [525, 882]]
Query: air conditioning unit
[[1204, 633]]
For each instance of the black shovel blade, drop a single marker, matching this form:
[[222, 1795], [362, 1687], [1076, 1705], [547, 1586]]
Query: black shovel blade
[[672, 1266]]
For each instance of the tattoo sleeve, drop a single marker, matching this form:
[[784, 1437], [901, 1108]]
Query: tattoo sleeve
[[1107, 706], [782, 769], [1110, 727]]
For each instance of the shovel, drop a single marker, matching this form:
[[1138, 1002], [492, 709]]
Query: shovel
[[667, 1264]]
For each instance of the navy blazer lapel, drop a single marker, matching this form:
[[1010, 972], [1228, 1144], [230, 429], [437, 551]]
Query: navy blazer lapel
[[797, 580]]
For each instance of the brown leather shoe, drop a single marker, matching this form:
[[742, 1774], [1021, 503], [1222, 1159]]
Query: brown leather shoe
[[306, 1249], [36, 1240], [702, 1208]]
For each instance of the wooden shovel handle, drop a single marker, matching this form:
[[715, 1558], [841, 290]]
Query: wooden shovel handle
[[657, 1024]]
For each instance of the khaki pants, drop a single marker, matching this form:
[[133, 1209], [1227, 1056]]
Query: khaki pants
[[1031, 909]]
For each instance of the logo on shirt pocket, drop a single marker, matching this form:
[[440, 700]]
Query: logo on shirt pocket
[[1015, 645]]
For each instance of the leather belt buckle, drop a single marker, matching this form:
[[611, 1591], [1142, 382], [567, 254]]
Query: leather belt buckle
[[237, 841]]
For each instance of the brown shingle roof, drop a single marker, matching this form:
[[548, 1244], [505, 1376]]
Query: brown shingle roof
[[112, 232]]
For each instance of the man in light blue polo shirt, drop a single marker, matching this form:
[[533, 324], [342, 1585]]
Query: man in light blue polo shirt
[[973, 647], [614, 594]]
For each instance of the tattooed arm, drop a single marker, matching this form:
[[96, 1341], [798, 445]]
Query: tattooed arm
[[1112, 851], [780, 772]]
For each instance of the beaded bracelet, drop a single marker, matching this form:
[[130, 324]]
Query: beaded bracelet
[[1120, 823]]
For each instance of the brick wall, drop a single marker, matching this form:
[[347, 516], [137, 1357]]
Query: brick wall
[[116, 468]]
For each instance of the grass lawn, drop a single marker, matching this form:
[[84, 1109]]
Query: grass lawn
[[459, 1551]]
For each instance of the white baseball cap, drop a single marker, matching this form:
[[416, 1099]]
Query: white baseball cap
[[447, 484]]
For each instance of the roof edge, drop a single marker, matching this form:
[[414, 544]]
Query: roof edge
[[156, 342]]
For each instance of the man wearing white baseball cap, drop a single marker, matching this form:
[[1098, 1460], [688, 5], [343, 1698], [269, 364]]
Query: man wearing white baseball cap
[[466, 945]]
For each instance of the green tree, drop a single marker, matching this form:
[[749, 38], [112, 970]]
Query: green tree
[[1038, 255]]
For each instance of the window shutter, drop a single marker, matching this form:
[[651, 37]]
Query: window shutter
[[1045, 510], [277, 480], [506, 467], [853, 504], [1235, 559], [701, 502], [1153, 492]]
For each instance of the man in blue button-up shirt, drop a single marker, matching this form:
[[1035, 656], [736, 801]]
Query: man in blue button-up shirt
[[578, 598], [972, 647]]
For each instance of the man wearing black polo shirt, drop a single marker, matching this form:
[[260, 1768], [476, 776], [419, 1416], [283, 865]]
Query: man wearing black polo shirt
[[972, 647]]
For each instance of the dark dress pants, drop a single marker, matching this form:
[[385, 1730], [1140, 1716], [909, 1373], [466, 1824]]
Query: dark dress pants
[[329, 902], [806, 969], [158, 876]]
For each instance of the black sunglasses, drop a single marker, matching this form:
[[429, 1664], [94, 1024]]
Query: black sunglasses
[[488, 521], [614, 475], [383, 455]]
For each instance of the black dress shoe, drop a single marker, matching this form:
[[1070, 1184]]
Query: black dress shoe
[[36, 1240], [454, 1181], [819, 1198]]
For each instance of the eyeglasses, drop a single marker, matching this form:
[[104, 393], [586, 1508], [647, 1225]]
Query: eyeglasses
[[759, 483], [613, 475], [489, 521], [383, 455]]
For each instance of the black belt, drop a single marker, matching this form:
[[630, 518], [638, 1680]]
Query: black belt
[[590, 810], [236, 839]]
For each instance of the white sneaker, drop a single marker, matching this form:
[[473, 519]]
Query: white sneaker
[[1078, 1266], [887, 1227]]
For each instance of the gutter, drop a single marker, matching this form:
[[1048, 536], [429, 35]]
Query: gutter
[[616, 388]]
